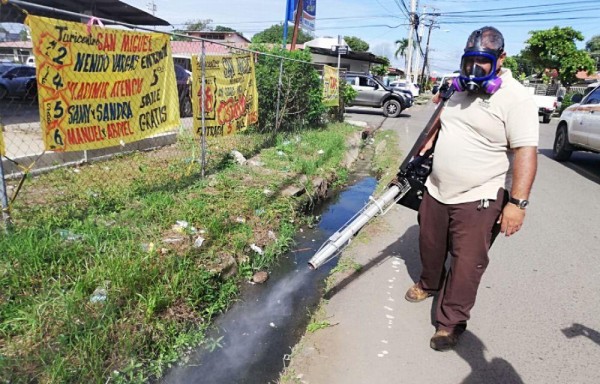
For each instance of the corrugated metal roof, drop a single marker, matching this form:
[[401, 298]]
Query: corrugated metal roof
[[109, 9], [195, 47]]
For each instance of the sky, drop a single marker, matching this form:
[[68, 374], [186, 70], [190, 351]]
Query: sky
[[382, 22]]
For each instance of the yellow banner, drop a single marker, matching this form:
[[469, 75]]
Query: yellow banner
[[2, 148], [331, 87], [230, 96], [100, 87]]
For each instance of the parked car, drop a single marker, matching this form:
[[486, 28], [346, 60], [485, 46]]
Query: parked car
[[591, 87], [184, 90], [579, 126], [5, 67], [405, 85], [18, 81], [372, 93], [547, 99]]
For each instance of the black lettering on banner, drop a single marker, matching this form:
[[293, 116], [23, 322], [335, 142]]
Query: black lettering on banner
[[154, 79], [228, 70], [91, 62], [243, 64], [62, 52], [153, 119], [57, 81], [58, 138], [59, 111]]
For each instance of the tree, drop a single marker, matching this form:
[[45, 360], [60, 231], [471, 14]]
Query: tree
[[198, 25], [593, 47], [381, 70], [511, 63], [401, 51], [274, 35], [402, 47], [356, 44], [192, 25], [221, 28], [555, 49], [593, 44], [23, 35]]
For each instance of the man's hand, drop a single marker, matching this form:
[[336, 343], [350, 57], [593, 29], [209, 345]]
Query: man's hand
[[511, 219]]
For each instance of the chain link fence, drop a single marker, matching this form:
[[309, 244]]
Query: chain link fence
[[38, 173]]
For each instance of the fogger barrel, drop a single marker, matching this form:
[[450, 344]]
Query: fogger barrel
[[406, 189], [341, 238]]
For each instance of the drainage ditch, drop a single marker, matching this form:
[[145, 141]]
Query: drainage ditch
[[251, 342]]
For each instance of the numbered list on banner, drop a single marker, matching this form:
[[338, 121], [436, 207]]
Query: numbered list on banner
[[101, 87], [230, 95]]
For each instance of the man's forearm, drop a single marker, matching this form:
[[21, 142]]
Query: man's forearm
[[524, 169]]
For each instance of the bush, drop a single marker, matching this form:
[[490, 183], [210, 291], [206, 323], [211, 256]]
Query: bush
[[347, 94], [567, 102], [300, 100]]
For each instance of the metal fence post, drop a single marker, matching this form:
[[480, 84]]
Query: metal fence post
[[202, 106], [279, 86], [4, 199]]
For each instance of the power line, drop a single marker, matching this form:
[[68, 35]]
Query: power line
[[522, 7], [519, 21], [524, 13]]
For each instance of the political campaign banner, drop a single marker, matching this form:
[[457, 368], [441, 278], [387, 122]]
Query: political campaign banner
[[100, 87], [309, 13], [331, 86], [230, 95]]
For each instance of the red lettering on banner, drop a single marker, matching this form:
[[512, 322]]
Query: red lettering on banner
[[84, 135], [252, 117], [119, 129], [85, 90], [107, 42], [333, 82], [136, 43], [232, 109], [128, 87]]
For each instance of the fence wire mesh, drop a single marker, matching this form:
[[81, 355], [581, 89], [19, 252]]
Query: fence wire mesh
[[39, 173]]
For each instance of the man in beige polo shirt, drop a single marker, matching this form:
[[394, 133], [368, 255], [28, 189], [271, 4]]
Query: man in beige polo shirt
[[484, 165]]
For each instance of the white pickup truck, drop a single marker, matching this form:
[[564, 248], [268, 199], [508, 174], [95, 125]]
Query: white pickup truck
[[579, 126], [546, 98]]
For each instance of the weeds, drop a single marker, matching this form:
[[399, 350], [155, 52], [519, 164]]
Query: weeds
[[98, 282]]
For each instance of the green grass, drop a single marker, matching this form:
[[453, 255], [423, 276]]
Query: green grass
[[108, 226], [387, 158]]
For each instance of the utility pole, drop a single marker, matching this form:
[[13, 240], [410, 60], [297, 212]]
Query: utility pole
[[418, 55], [425, 63], [411, 31], [298, 17], [152, 8]]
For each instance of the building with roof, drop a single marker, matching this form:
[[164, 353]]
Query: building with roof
[[107, 9], [226, 37], [15, 51]]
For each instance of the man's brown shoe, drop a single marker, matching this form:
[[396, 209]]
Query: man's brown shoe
[[443, 341], [416, 294]]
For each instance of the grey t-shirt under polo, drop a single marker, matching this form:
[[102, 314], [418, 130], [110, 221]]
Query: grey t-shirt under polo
[[472, 157]]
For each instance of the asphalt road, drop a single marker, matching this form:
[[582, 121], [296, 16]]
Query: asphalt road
[[536, 319]]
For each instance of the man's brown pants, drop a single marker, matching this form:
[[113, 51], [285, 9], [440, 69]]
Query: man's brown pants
[[467, 232]]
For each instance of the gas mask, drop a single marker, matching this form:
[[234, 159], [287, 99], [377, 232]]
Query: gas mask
[[478, 68]]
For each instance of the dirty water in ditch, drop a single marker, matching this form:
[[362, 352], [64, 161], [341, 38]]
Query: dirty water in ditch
[[252, 341]]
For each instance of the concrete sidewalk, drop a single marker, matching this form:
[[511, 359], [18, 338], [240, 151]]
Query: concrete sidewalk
[[536, 319]]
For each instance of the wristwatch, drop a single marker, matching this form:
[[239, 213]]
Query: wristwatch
[[521, 203]]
